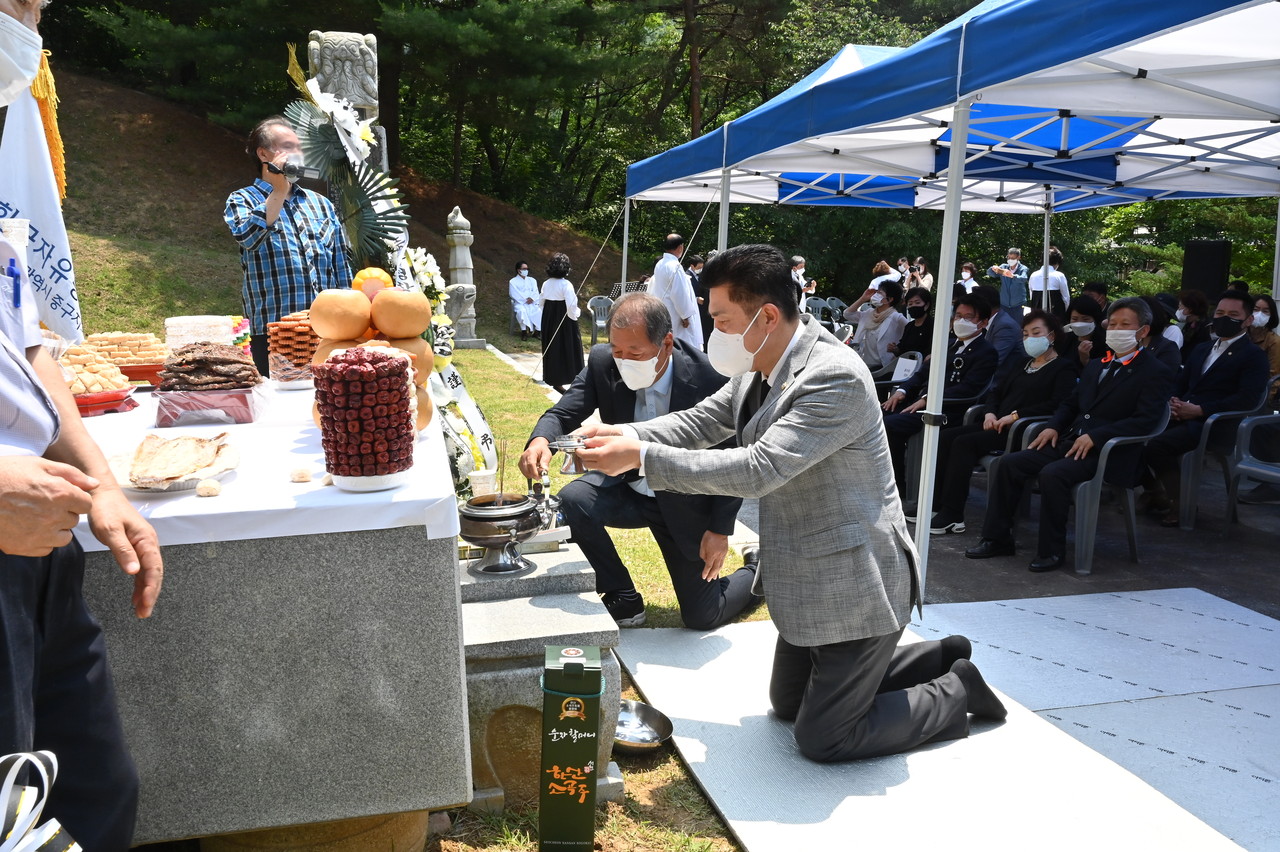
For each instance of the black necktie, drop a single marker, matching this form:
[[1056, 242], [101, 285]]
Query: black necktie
[[1108, 371], [756, 399]]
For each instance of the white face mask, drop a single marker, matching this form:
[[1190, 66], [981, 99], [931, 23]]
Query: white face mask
[[728, 355], [1122, 340], [1260, 319], [1080, 329], [638, 375], [964, 276], [20, 51], [877, 300], [1035, 346], [1181, 315], [964, 329], [524, 273]]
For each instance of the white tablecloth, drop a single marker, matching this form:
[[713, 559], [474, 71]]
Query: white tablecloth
[[259, 501]]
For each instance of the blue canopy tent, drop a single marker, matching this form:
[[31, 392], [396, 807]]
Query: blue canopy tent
[[1095, 103]]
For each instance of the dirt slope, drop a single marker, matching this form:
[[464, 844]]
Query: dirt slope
[[140, 167]]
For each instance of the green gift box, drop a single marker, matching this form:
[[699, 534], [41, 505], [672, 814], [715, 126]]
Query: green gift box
[[571, 688]]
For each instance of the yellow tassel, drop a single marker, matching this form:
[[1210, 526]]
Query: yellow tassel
[[46, 95]]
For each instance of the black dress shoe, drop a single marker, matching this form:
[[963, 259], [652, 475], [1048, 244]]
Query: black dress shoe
[[909, 509], [1045, 563], [989, 547]]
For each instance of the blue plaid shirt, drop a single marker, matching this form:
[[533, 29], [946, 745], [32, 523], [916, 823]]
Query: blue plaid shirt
[[287, 264]]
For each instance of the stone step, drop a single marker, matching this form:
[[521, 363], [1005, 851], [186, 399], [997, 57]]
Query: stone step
[[522, 627], [563, 571]]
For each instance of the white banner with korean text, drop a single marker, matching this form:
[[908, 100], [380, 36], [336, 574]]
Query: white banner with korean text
[[28, 190]]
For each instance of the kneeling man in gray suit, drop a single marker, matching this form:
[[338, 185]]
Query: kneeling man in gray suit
[[837, 566]]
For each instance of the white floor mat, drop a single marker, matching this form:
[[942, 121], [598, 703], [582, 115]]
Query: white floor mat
[[1090, 649], [1019, 785]]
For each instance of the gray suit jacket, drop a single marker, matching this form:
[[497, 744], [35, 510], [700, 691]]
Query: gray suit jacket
[[836, 561]]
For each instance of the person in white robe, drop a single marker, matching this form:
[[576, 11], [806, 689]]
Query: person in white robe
[[671, 284], [523, 290]]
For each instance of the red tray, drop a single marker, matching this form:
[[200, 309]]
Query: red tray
[[149, 373], [107, 402]]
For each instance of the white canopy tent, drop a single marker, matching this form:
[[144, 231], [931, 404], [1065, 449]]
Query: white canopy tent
[[1098, 103]]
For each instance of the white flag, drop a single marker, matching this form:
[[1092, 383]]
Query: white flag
[[28, 190]]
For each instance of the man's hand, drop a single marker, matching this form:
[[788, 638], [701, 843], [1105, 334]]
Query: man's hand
[[1046, 438], [132, 541], [41, 501], [914, 407], [611, 455], [684, 323], [892, 347], [528, 301], [536, 459], [597, 430], [1080, 448], [1182, 410], [895, 399], [713, 550]]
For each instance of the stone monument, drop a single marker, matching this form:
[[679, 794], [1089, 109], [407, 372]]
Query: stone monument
[[346, 65], [461, 304]]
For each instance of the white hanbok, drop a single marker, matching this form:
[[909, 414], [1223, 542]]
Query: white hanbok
[[528, 313], [671, 284]]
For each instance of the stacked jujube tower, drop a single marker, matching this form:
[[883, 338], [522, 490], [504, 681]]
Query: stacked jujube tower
[[365, 401]]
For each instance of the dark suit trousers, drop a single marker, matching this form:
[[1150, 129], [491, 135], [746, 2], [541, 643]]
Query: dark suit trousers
[[56, 693], [959, 450], [899, 428], [1058, 476], [1163, 453], [589, 508], [866, 697]]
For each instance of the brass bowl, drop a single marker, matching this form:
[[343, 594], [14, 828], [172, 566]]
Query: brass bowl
[[641, 728], [488, 521]]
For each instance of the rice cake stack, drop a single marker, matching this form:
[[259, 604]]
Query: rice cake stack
[[290, 346], [126, 349], [208, 366], [91, 371]]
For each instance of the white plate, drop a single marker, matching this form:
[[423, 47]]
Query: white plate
[[372, 483], [173, 487], [300, 384]]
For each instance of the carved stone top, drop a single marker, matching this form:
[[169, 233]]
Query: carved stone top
[[458, 222], [346, 65]]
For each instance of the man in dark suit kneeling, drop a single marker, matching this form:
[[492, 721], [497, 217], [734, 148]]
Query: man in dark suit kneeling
[[1121, 395], [640, 374]]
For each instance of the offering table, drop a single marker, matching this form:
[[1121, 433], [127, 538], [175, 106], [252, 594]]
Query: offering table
[[304, 662]]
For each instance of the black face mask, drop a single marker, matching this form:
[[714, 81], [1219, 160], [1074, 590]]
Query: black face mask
[[917, 311], [1227, 326]]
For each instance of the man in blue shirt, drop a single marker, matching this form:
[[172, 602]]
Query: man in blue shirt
[[1012, 275], [292, 244]]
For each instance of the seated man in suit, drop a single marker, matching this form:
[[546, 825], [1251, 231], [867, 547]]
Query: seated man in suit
[[641, 373], [1004, 328], [1121, 395], [837, 562], [970, 364], [1227, 374]]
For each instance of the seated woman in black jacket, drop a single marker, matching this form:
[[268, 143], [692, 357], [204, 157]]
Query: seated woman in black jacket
[[1084, 337], [1034, 385], [917, 335]]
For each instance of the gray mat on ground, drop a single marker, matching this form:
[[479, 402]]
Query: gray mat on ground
[[1022, 784]]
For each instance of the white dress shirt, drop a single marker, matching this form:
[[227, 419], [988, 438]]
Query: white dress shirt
[[671, 284], [652, 402], [28, 418]]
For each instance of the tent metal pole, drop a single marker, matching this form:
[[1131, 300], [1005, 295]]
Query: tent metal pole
[[941, 325], [1044, 282], [722, 233], [626, 240], [1275, 266]]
